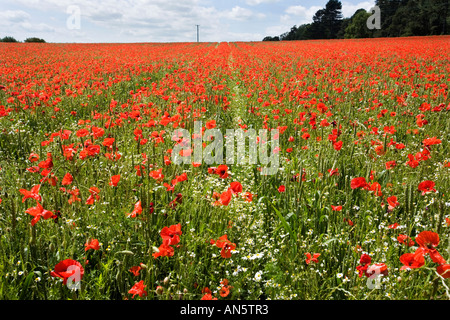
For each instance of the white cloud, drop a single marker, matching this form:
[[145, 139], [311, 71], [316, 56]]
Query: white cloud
[[238, 13], [13, 16], [302, 14], [138, 20], [348, 9], [294, 15], [257, 2]]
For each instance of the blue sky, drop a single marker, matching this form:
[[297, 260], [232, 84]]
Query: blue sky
[[158, 20]]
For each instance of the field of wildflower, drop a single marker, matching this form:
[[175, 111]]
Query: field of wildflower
[[93, 205]]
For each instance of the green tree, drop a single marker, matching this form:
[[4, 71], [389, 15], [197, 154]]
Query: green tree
[[303, 32], [357, 28], [415, 18], [344, 25], [327, 21], [8, 39], [34, 39], [269, 38]]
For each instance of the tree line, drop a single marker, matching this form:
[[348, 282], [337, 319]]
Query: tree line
[[399, 18], [12, 39]]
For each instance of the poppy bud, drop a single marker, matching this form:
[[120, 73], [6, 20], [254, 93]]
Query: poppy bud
[[159, 290], [166, 281]]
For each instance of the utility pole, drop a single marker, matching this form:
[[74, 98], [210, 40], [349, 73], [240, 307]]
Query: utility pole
[[197, 31]]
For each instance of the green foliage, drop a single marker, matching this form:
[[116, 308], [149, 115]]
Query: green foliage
[[269, 38], [399, 18], [34, 39], [357, 27], [327, 22], [8, 39]]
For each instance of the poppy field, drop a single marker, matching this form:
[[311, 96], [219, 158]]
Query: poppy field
[[94, 207]]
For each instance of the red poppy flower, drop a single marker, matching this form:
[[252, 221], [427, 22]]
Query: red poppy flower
[[413, 163], [108, 142], [313, 258], [222, 171], [38, 212], [376, 188], [248, 196], [393, 226], [114, 156], [431, 141], [226, 245], [114, 180], [212, 170], [93, 244], [135, 270], [182, 177], [336, 208], [94, 191], [337, 145], [67, 179], [444, 270], [333, 172], [164, 250], [33, 157], [235, 187], [210, 124], [392, 201], [358, 183], [168, 187], [157, 174], [349, 222], [426, 186], [390, 164], [206, 290], [364, 262], [178, 200], [82, 133], [411, 261], [208, 296], [377, 268], [69, 152], [97, 132], [428, 239], [171, 234], [138, 289], [68, 269], [33, 169], [404, 239], [47, 163], [75, 193], [224, 291], [33, 193], [136, 211], [225, 198]]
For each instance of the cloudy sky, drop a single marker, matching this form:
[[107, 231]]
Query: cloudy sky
[[158, 20]]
